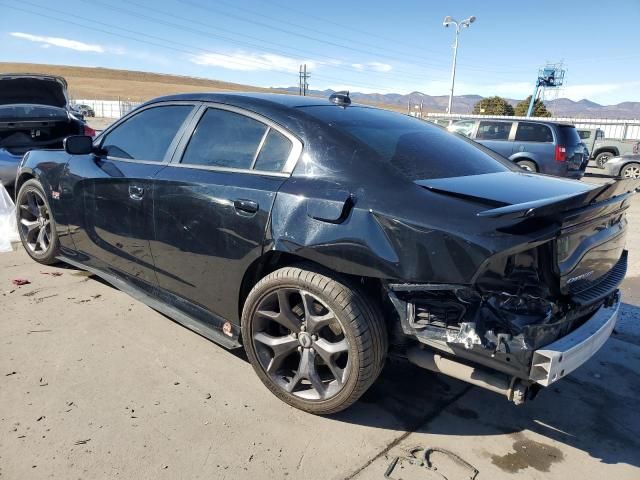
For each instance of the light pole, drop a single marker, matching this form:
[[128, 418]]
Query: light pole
[[459, 25]]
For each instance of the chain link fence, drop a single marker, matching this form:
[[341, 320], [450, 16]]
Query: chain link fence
[[108, 108]]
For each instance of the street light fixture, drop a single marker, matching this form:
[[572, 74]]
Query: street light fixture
[[466, 23]]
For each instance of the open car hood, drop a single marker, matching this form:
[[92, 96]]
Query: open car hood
[[33, 89]]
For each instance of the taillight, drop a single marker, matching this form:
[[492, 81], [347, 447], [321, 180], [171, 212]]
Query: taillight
[[88, 131], [561, 153]]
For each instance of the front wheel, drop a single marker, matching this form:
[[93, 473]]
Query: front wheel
[[36, 225], [631, 170], [316, 342]]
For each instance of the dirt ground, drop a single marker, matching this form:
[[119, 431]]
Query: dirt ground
[[95, 385]]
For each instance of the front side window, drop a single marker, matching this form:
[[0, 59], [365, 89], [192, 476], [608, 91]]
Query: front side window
[[224, 139], [493, 130], [146, 135], [533, 132]]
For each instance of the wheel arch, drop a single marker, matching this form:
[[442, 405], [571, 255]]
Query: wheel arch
[[275, 259], [613, 150], [23, 177]]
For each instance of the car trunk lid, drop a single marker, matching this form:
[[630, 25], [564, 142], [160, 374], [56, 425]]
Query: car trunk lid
[[588, 220], [33, 90]]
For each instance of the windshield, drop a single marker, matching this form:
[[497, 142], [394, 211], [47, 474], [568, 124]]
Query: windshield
[[418, 149]]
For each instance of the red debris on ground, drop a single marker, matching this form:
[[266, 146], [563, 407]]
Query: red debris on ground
[[20, 281]]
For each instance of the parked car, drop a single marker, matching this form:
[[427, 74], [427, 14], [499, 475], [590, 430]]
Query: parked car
[[603, 149], [84, 110], [34, 114], [625, 166], [535, 145], [323, 236]]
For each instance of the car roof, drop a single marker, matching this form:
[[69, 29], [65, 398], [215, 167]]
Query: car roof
[[530, 120], [248, 98]]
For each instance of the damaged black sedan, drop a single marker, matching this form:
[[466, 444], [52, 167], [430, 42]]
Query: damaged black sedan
[[323, 236]]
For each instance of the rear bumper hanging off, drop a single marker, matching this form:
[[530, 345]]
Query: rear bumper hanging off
[[563, 356]]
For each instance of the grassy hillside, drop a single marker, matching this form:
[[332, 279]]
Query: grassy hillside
[[111, 84]]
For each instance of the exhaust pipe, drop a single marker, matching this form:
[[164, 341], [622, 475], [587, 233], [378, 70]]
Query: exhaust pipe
[[512, 387]]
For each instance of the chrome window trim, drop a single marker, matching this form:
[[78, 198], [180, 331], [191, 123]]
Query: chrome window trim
[[289, 165], [174, 142]]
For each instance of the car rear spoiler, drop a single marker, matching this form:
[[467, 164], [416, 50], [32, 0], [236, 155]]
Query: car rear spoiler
[[612, 192]]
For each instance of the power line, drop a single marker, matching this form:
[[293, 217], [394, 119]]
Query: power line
[[189, 49]]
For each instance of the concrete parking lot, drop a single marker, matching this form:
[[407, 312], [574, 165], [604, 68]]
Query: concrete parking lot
[[95, 385]]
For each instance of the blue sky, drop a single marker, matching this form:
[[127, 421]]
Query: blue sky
[[367, 46]]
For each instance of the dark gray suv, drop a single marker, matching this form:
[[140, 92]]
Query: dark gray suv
[[537, 146]]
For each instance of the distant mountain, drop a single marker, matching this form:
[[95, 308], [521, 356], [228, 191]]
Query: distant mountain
[[560, 107]]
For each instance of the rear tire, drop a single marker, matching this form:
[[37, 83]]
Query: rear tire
[[316, 341], [528, 165], [36, 225], [603, 158]]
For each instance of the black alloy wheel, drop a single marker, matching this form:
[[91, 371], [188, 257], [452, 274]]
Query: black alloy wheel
[[315, 342]]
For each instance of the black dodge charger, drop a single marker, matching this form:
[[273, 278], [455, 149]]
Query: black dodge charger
[[324, 236]]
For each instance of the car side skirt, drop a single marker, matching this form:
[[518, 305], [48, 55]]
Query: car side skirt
[[198, 326]]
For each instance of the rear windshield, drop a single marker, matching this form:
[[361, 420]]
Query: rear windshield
[[568, 135], [418, 149]]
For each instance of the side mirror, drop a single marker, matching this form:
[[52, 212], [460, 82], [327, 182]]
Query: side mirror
[[78, 145]]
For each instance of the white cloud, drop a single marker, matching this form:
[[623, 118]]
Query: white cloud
[[250, 62], [374, 66], [47, 42]]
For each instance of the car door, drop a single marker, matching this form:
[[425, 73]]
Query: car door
[[495, 134], [534, 141], [113, 188], [212, 205]]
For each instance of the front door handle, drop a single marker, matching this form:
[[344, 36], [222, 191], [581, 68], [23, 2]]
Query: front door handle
[[136, 192], [245, 206]]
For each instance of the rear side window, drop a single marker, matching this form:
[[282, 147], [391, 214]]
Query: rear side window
[[146, 135], [533, 132], [224, 139], [493, 130], [416, 148], [274, 152], [568, 135], [584, 134]]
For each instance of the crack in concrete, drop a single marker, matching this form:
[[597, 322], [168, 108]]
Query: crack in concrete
[[396, 441]]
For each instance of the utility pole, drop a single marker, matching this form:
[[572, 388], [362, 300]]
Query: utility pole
[[303, 76], [459, 25]]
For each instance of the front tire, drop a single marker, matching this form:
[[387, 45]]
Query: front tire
[[631, 170], [315, 341], [36, 225]]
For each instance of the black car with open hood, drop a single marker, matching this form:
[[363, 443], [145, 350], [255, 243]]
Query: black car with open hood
[[324, 236]]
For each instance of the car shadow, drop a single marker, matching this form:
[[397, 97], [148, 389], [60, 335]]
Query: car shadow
[[594, 409]]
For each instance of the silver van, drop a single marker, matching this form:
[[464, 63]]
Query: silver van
[[537, 146]]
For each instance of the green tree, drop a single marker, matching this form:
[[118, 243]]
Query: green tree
[[539, 108], [493, 106]]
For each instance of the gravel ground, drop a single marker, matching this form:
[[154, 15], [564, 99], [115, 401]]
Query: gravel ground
[[95, 385]]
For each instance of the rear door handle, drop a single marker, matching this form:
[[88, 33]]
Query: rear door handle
[[135, 192], [245, 206]]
